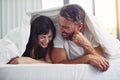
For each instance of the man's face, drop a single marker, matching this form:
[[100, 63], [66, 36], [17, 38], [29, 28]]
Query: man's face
[[66, 28]]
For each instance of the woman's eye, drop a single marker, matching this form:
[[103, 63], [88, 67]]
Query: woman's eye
[[49, 36], [41, 37]]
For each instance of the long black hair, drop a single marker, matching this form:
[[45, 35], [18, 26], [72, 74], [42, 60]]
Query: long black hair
[[41, 25]]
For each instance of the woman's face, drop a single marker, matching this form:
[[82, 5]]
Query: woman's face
[[44, 40]]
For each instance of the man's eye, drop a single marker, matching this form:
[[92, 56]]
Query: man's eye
[[65, 27]]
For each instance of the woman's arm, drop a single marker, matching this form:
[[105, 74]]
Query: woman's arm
[[25, 60]]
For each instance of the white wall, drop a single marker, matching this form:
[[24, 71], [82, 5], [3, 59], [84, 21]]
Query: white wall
[[12, 13], [107, 14], [0, 18], [87, 5], [46, 4]]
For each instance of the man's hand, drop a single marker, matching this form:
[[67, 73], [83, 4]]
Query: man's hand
[[95, 59], [98, 62], [80, 39]]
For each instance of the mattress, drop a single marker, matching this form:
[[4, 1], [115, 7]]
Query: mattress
[[58, 72]]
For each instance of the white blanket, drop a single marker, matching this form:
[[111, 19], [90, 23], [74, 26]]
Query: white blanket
[[110, 44], [14, 43], [58, 72]]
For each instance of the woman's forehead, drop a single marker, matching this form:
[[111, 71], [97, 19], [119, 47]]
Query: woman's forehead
[[49, 33]]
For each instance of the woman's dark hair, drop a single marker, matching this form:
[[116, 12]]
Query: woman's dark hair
[[41, 25]]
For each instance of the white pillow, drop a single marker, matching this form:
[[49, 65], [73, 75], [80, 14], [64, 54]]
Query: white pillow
[[53, 14], [7, 51]]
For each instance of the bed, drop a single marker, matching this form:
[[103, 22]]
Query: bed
[[13, 44], [58, 72]]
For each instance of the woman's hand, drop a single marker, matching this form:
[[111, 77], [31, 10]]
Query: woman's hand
[[24, 60]]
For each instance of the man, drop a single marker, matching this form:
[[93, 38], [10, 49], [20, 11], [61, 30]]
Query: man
[[75, 44]]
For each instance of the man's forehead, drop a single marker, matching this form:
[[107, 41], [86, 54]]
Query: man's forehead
[[64, 20]]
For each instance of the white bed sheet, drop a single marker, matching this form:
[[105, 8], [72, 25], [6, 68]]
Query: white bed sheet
[[59, 72]]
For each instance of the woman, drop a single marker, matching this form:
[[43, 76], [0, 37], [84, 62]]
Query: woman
[[40, 42]]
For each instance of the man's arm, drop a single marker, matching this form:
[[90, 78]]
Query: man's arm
[[94, 57], [59, 56], [91, 55]]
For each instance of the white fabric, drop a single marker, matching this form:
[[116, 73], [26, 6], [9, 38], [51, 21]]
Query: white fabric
[[110, 44], [14, 43], [59, 72]]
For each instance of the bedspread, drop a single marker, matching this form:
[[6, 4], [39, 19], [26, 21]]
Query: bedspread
[[59, 72]]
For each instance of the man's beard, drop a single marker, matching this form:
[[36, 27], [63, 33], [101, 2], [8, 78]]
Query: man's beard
[[69, 37]]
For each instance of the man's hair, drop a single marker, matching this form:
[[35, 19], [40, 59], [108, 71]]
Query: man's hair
[[74, 13]]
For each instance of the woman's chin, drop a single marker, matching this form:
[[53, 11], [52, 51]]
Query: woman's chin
[[44, 46]]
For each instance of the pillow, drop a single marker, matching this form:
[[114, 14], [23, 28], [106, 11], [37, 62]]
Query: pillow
[[7, 51], [53, 14]]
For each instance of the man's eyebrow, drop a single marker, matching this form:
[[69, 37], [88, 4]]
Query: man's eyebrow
[[65, 26]]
